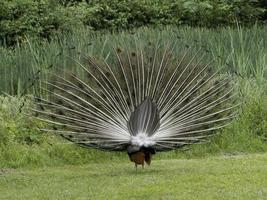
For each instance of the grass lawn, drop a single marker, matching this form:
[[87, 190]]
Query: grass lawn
[[225, 177]]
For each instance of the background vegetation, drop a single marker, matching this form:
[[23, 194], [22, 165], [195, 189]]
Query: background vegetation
[[44, 18]]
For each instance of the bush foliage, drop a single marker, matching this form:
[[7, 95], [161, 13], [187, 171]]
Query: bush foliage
[[43, 18], [23, 144]]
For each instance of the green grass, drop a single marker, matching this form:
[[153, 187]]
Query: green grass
[[241, 177]]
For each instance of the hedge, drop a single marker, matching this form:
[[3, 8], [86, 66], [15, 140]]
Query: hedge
[[43, 18]]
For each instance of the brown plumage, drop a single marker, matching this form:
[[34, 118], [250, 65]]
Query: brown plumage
[[138, 158], [141, 157]]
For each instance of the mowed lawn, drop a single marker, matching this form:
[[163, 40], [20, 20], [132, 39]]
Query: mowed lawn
[[224, 177]]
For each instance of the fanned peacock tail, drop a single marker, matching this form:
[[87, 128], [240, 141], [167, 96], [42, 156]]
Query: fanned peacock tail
[[144, 96]]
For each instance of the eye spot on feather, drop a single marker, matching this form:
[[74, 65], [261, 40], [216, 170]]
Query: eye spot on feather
[[52, 116], [73, 75], [88, 75], [37, 99], [59, 101], [216, 82], [99, 84], [119, 50], [80, 86], [209, 70], [202, 82], [60, 112], [170, 55], [108, 74], [227, 96], [41, 107]]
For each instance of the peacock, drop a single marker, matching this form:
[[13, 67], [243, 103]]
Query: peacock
[[141, 99]]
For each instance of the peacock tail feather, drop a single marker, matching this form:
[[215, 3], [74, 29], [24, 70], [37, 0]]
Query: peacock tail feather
[[142, 95]]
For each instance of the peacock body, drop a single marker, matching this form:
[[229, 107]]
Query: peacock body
[[142, 99]]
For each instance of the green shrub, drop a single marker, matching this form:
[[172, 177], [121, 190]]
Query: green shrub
[[46, 17], [23, 144], [19, 18], [118, 14], [15, 127]]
